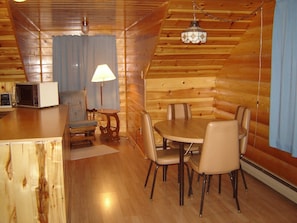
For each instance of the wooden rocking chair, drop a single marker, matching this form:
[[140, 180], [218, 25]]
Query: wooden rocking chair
[[82, 130]]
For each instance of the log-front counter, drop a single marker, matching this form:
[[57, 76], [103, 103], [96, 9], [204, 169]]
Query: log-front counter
[[34, 155]]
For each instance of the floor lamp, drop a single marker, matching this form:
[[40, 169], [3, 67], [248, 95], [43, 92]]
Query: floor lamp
[[102, 74]]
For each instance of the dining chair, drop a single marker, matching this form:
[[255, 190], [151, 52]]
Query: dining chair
[[181, 111], [243, 142], [239, 113], [242, 115], [219, 155], [158, 157]]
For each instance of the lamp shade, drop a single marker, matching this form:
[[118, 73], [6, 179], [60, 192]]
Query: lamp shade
[[103, 73], [194, 34]]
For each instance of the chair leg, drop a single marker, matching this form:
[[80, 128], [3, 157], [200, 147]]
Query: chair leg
[[232, 180], [202, 194], [243, 178], [188, 172], [220, 179], [190, 192], [153, 185], [148, 174], [165, 168], [208, 184], [178, 174], [235, 173]]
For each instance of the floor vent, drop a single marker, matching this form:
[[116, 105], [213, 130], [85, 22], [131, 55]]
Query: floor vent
[[273, 181]]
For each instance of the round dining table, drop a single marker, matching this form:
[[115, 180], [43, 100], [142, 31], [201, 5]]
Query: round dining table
[[186, 131]]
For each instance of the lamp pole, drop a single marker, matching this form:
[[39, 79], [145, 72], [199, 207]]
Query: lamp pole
[[101, 92], [102, 74]]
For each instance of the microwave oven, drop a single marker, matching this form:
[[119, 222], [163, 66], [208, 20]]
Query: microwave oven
[[36, 95]]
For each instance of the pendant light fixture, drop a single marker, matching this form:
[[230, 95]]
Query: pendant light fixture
[[85, 25], [194, 34]]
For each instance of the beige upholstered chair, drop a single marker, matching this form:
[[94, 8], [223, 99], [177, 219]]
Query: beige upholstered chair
[[239, 114], [159, 157], [181, 111], [219, 155], [245, 123], [242, 115], [81, 129]]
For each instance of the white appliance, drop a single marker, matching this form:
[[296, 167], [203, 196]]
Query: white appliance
[[37, 95]]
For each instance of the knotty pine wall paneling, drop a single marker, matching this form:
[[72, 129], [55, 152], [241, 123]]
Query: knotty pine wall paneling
[[11, 66], [28, 39], [7, 87], [120, 41], [140, 44], [199, 92], [245, 80]]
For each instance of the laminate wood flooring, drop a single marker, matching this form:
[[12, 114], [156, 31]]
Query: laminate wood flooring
[[110, 189]]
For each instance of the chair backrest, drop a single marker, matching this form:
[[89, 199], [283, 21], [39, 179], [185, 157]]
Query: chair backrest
[[245, 124], [148, 136], [76, 101], [179, 111], [239, 114], [220, 151]]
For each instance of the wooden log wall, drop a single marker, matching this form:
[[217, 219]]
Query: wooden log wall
[[245, 80]]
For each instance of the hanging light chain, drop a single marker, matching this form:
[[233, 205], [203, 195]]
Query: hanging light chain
[[194, 34], [194, 10]]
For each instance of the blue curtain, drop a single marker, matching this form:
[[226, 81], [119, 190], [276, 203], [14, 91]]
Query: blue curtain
[[75, 59], [283, 96]]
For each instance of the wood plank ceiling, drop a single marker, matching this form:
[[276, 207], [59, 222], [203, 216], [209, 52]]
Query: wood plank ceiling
[[225, 22]]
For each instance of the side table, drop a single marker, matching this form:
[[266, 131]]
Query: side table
[[109, 132]]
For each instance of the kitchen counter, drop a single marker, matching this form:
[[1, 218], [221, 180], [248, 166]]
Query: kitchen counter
[[34, 157]]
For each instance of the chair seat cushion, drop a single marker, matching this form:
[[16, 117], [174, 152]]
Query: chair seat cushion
[[188, 146], [194, 162], [83, 123], [169, 156]]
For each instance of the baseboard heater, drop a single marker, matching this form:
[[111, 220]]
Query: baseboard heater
[[286, 189]]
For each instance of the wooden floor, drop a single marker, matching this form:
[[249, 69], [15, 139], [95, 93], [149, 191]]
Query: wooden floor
[[110, 188]]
